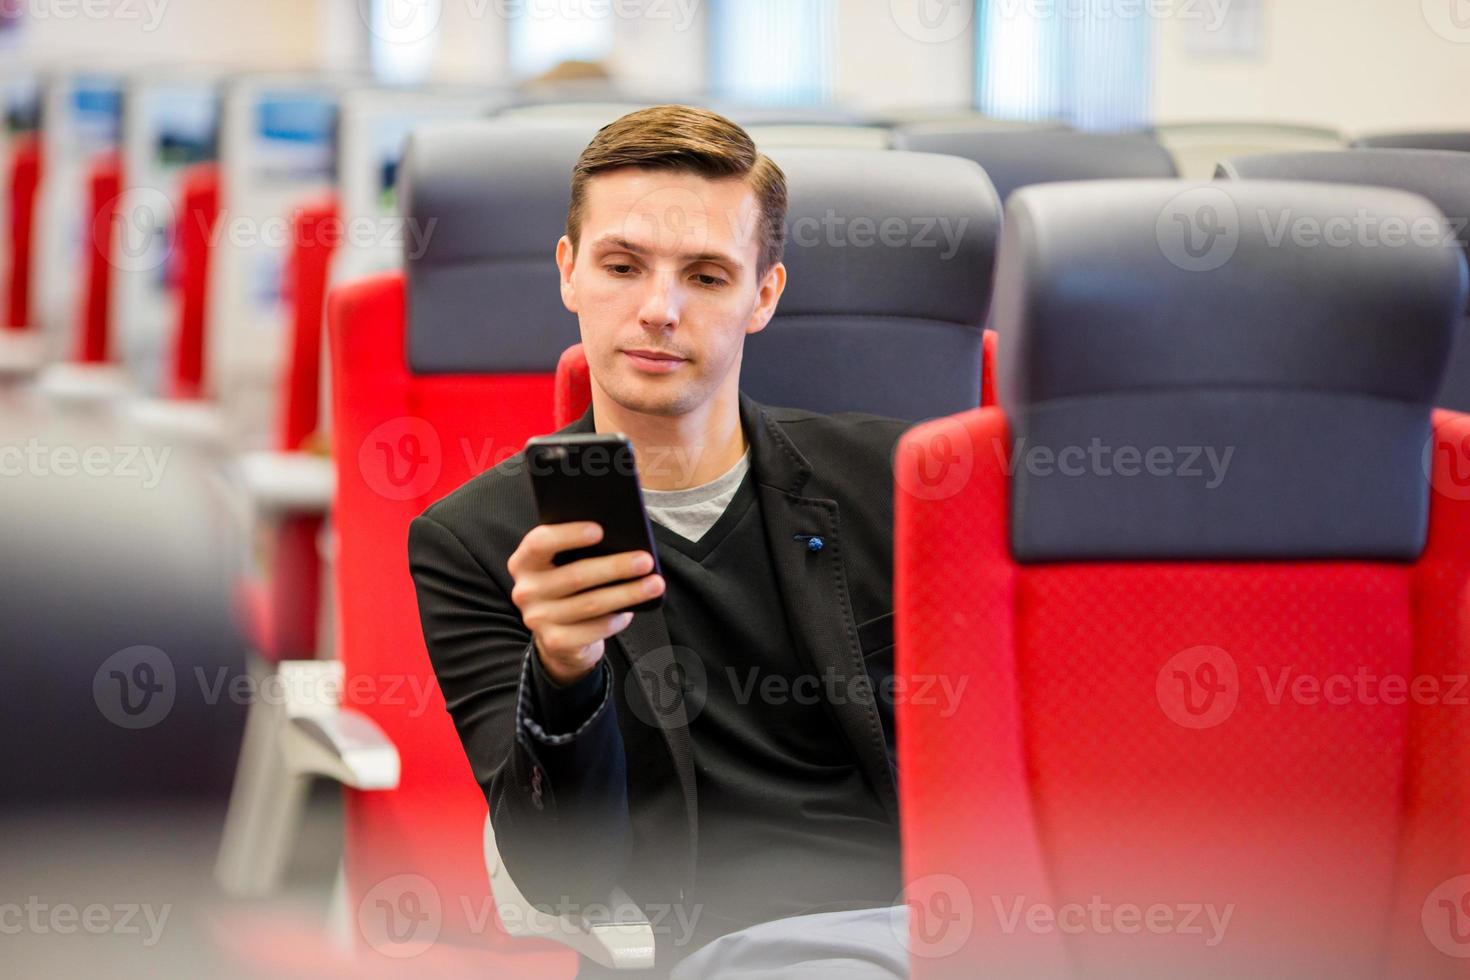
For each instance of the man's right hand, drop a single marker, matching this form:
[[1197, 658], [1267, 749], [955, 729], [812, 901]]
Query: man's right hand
[[571, 609]]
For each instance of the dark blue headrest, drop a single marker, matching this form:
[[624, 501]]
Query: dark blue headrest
[[889, 258], [1018, 158], [1415, 141], [1440, 175], [489, 200], [1221, 384]]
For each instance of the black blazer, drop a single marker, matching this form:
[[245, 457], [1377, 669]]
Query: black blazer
[[616, 803]]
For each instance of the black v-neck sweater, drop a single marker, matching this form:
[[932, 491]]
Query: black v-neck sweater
[[788, 824]]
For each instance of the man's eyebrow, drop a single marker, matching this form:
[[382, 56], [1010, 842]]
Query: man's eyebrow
[[623, 245]]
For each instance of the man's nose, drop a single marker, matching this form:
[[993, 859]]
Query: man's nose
[[660, 309]]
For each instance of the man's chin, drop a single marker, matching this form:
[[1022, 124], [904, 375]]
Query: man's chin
[[654, 398]]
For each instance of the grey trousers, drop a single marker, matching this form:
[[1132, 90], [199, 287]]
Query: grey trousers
[[866, 944]]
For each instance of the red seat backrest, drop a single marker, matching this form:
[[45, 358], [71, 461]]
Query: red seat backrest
[[1162, 725], [1182, 735], [25, 182], [198, 214], [314, 239], [987, 368], [573, 386], [401, 441], [104, 184], [281, 612]]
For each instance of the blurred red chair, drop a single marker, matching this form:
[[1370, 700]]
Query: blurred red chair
[[199, 213], [293, 485], [92, 375], [438, 373], [20, 346], [403, 439], [281, 605], [1128, 779], [104, 185], [573, 386], [186, 413]]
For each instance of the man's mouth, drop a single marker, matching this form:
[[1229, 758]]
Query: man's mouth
[[653, 361]]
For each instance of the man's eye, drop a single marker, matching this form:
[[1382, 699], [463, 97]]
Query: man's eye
[[620, 269], [704, 279]]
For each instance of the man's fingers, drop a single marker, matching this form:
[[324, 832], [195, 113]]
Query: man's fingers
[[589, 573], [598, 602], [543, 541], [573, 637]]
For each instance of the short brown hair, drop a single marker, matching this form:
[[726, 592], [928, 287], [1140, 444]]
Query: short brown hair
[[691, 139]]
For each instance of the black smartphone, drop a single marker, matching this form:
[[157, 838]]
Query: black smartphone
[[592, 476]]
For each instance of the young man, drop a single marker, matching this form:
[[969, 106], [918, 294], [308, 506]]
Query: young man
[[724, 759]]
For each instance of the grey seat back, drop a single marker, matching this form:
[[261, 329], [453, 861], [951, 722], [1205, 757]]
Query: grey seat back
[[1441, 176], [1014, 159], [1203, 388], [889, 258], [488, 199]]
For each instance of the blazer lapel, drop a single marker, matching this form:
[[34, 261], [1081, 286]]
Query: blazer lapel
[[663, 681], [662, 678], [814, 592]]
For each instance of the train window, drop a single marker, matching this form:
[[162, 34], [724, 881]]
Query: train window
[[545, 34], [1083, 62], [403, 39], [772, 52]]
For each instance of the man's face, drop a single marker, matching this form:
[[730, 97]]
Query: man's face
[[664, 285]]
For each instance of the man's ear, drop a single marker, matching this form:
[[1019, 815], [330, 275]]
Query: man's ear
[[566, 257], [773, 284]]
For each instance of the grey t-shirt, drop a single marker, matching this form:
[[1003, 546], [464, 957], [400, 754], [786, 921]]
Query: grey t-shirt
[[690, 513]]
